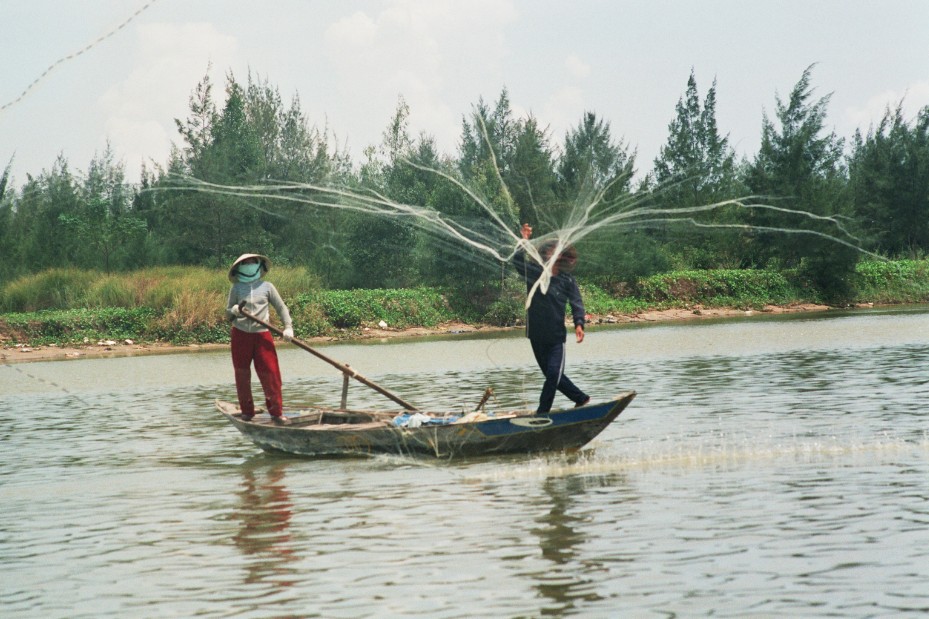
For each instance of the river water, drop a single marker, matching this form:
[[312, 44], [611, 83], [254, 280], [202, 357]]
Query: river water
[[769, 467]]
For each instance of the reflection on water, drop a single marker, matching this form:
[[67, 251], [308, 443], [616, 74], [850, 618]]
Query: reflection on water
[[769, 468], [567, 582], [264, 536]]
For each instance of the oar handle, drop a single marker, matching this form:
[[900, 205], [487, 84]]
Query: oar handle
[[348, 371]]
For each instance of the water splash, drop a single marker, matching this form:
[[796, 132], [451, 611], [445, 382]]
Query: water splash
[[735, 454]]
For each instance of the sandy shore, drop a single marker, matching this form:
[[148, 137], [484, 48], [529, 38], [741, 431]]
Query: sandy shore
[[127, 348]]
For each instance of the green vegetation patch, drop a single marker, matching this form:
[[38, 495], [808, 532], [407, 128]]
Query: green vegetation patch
[[52, 289], [897, 281], [74, 326], [417, 307], [186, 305], [738, 287], [601, 302]]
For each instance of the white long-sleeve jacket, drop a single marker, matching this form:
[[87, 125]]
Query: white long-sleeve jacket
[[259, 296]]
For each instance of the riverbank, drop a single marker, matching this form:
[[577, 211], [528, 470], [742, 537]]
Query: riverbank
[[55, 315], [127, 348]]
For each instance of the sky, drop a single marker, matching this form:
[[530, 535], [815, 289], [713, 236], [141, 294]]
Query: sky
[[78, 76]]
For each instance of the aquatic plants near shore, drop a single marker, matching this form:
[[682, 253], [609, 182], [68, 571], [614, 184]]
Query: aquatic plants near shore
[[185, 305]]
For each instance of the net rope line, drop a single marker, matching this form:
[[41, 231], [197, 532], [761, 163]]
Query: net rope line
[[74, 55], [50, 383], [373, 203]]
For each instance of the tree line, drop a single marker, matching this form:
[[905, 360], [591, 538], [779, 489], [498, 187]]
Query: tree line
[[873, 190]]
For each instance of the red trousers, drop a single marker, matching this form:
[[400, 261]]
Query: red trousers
[[257, 347]]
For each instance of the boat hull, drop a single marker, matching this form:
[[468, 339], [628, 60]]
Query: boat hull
[[523, 432]]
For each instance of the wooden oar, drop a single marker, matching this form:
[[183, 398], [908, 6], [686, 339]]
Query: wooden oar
[[348, 371], [487, 393]]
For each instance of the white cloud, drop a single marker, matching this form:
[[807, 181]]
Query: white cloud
[[914, 98], [356, 30], [576, 67], [139, 140], [424, 51], [563, 110], [172, 58]]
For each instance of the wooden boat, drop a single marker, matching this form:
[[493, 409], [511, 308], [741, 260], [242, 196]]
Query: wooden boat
[[327, 432]]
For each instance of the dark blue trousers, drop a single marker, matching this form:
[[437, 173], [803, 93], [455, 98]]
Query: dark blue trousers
[[550, 356]]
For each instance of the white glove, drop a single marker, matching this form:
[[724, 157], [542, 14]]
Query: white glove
[[288, 333], [236, 311]]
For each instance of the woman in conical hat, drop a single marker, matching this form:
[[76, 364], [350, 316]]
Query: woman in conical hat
[[252, 342]]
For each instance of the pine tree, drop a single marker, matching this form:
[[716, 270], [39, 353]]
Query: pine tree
[[800, 166], [889, 177], [696, 167]]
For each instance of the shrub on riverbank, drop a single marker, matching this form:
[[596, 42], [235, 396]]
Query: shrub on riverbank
[[161, 288], [198, 316], [184, 305], [320, 312], [77, 326], [897, 281], [721, 288]]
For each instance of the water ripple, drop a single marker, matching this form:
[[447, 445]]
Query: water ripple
[[770, 480]]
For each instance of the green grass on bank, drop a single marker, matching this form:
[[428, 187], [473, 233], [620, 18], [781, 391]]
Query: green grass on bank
[[185, 304]]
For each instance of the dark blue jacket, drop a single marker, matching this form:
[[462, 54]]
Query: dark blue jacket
[[545, 318]]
